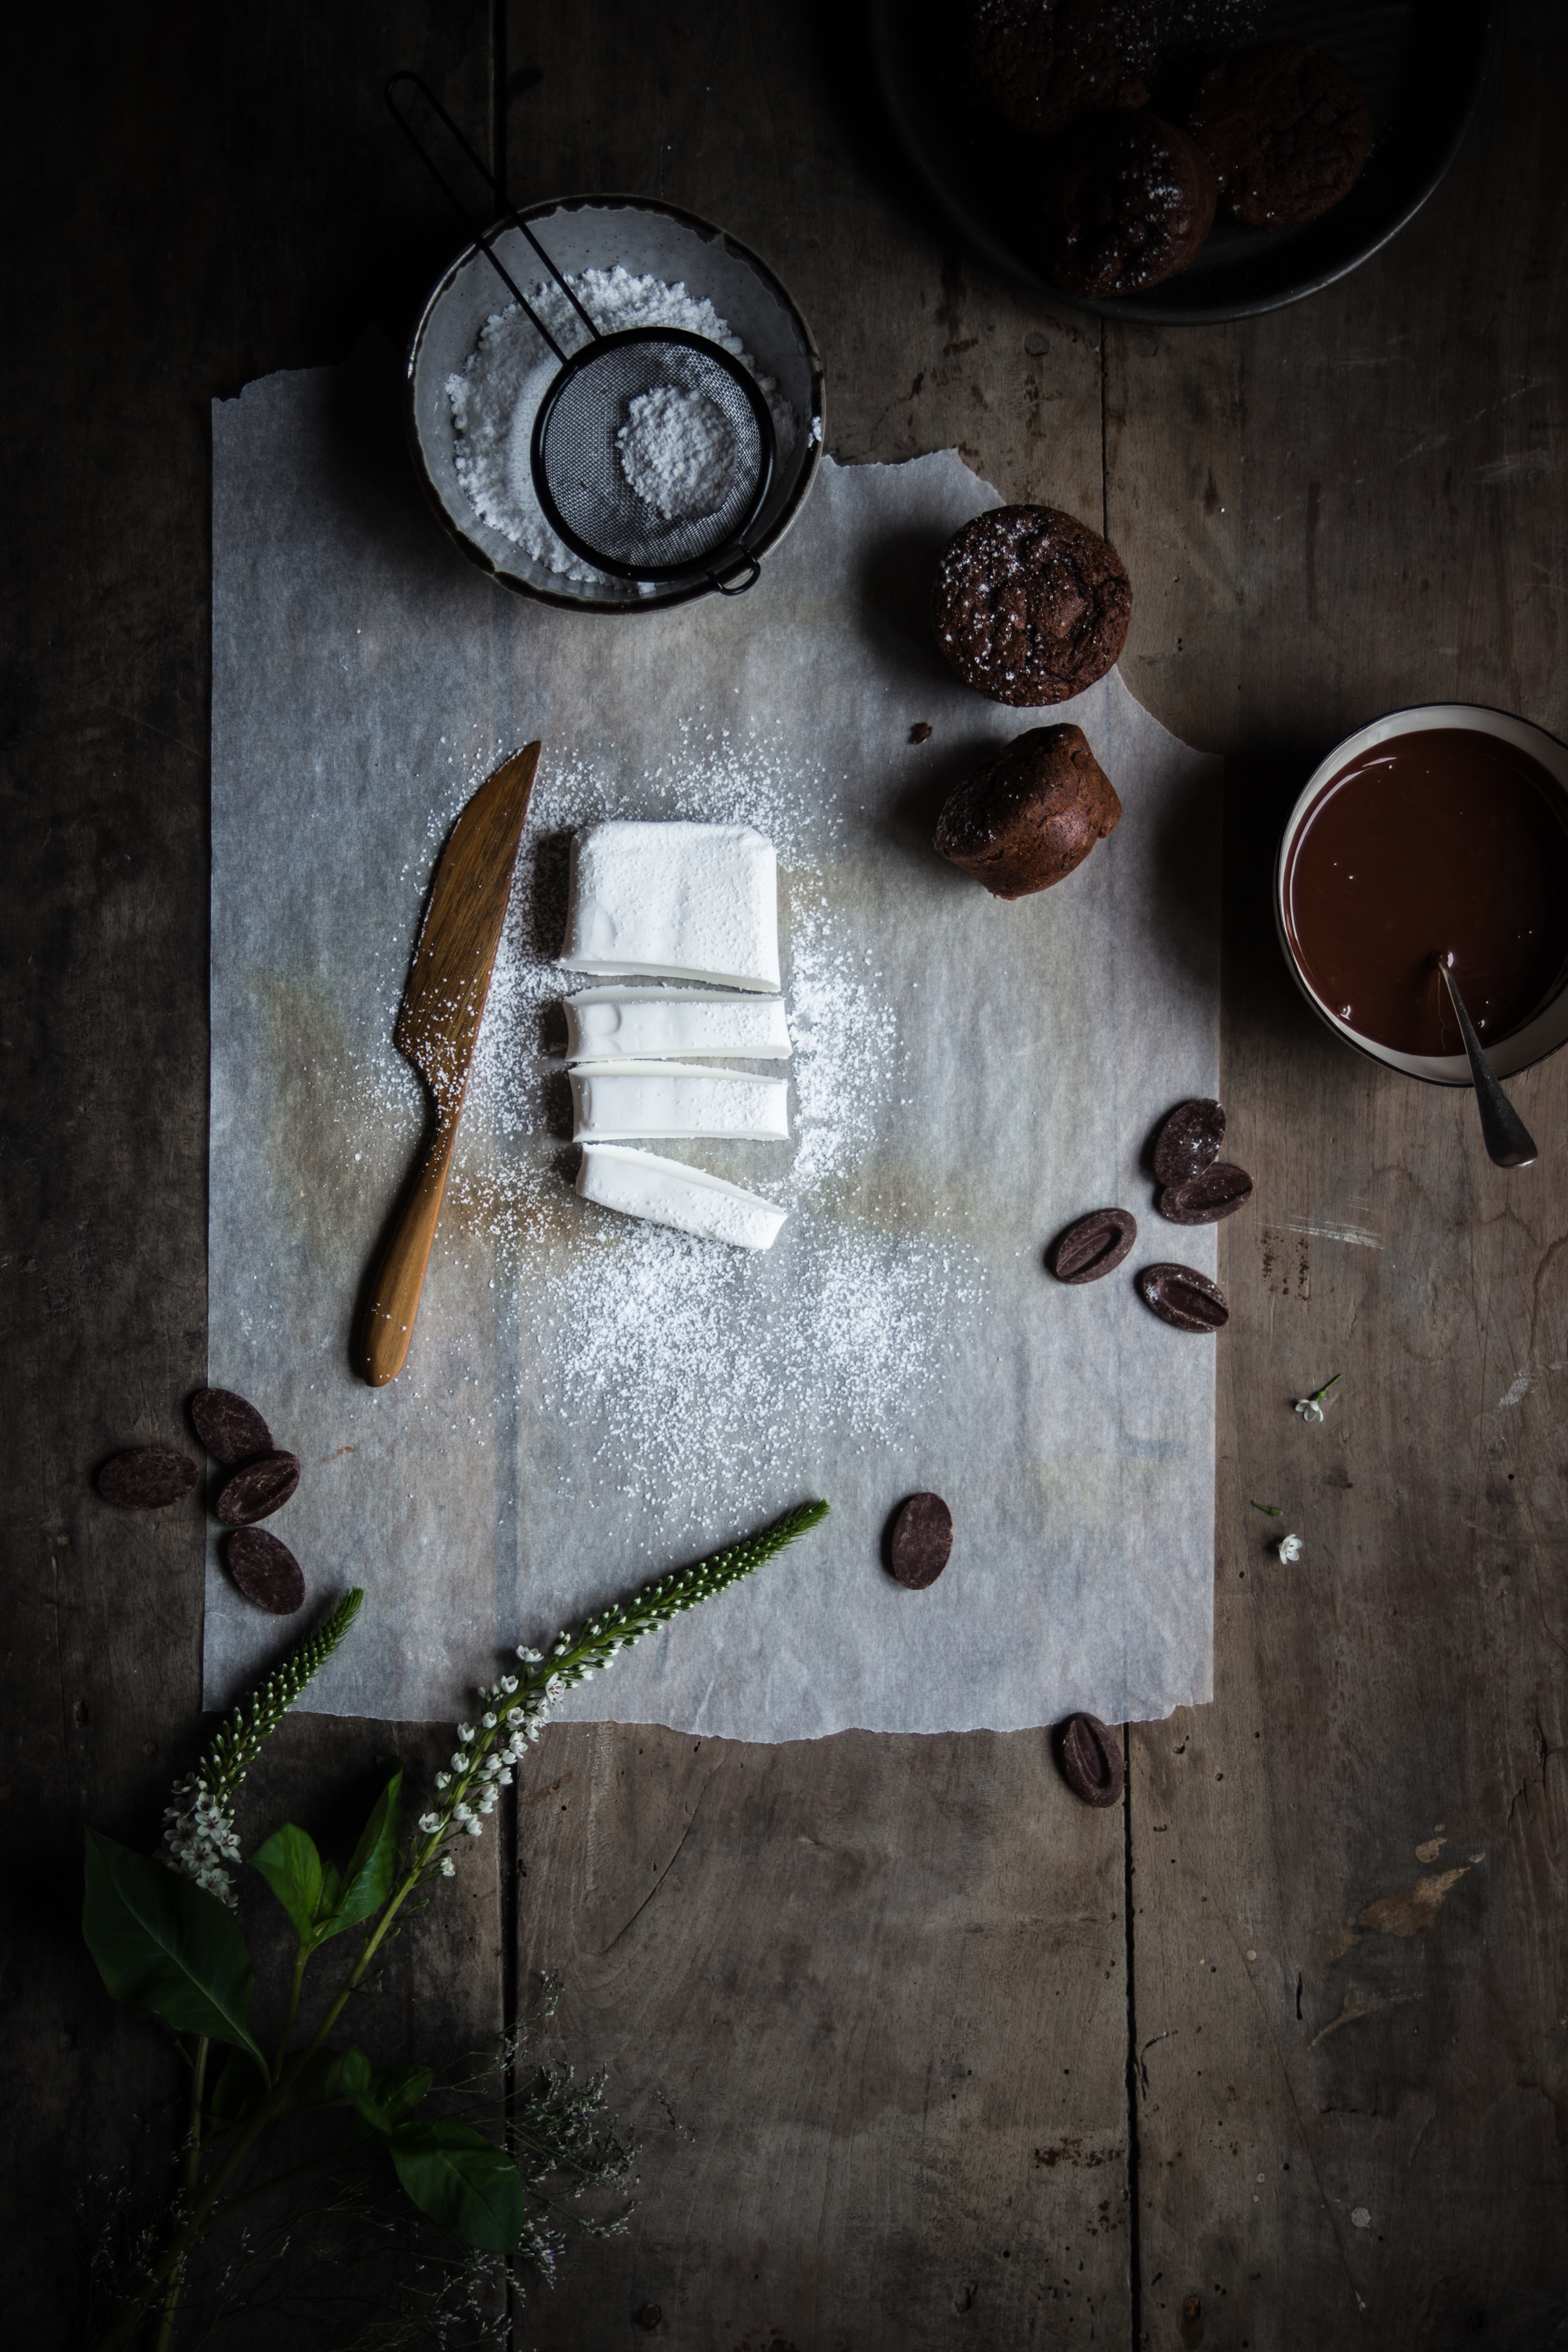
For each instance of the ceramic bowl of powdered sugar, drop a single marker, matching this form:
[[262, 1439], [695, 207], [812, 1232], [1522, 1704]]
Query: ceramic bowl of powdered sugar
[[478, 368]]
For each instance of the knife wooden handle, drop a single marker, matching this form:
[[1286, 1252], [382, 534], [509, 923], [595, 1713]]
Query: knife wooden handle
[[394, 1295]]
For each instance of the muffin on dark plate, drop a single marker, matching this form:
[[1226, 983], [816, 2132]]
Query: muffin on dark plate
[[1125, 202], [1287, 131], [1029, 605], [1040, 62]]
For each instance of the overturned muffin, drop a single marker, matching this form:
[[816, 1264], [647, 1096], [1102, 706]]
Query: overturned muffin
[[1037, 63], [1287, 131], [1126, 202], [1031, 815], [1029, 605]]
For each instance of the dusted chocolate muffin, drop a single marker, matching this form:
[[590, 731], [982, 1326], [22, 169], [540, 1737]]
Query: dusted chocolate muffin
[[1125, 202], [1029, 605], [1040, 62], [1030, 815], [1287, 129]]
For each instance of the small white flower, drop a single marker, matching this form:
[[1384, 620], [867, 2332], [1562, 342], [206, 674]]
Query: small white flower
[[443, 1779], [473, 1828], [461, 1812], [487, 1801], [1309, 1408], [489, 1721], [554, 1686], [507, 1685], [428, 1824], [1289, 1548], [459, 1761], [466, 1734], [514, 1713], [530, 1657], [446, 1866], [506, 1779]]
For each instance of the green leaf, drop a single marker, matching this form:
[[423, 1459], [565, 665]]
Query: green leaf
[[315, 2085], [367, 1881], [163, 1943], [352, 2080], [463, 2181], [291, 1867], [400, 2089]]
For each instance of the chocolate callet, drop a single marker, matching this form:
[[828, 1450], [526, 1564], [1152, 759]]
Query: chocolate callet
[[1094, 1246], [231, 1430], [919, 1542], [257, 1490], [920, 732], [1091, 1760], [1189, 1139], [148, 1478], [1183, 1297], [1214, 1193], [265, 1571]]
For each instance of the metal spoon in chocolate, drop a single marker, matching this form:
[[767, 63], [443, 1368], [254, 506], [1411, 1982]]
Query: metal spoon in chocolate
[[1504, 1133]]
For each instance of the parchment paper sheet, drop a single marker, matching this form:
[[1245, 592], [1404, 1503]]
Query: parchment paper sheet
[[975, 1074]]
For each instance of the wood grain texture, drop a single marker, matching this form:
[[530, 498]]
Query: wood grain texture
[[765, 119], [879, 1983], [838, 2191], [1350, 1871], [191, 198], [860, 1969]]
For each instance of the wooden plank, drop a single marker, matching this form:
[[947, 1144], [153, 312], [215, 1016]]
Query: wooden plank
[[879, 1983], [899, 1946], [1349, 1880], [749, 117], [194, 198]]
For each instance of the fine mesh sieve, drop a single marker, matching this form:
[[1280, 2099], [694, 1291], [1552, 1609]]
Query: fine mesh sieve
[[653, 448]]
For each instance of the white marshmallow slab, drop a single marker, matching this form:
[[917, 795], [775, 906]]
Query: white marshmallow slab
[[677, 902], [616, 1100], [674, 1023], [666, 1192]]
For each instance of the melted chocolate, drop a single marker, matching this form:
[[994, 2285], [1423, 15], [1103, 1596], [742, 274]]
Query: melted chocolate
[[1441, 841]]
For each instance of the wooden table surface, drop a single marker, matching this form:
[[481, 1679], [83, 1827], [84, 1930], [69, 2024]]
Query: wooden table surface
[[1277, 2055]]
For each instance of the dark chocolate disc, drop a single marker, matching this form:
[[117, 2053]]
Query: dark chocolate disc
[[230, 1429], [919, 1542], [148, 1478], [1189, 1139], [1183, 1297], [1091, 1760], [1096, 1246], [1216, 1192], [257, 1490], [266, 1571]]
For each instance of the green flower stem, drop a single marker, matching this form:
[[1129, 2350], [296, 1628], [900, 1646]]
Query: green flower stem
[[302, 1958], [193, 2181], [514, 1715]]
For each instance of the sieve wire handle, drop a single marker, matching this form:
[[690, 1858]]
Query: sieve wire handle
[[751, 582], [478, 234]]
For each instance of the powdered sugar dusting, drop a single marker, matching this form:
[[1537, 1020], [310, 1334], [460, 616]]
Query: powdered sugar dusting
[[675, 457], [675, 1357]]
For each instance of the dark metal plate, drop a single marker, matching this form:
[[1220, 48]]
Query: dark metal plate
[[1422, 64]]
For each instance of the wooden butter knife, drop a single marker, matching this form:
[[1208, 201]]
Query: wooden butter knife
[[438, 1026]]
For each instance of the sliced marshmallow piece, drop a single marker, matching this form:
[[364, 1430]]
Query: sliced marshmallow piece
[[614, 1099], [606, 1024], [678, 901], [641, 1184]]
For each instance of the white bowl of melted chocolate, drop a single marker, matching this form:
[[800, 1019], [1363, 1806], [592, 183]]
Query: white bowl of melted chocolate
[[1441, 831]]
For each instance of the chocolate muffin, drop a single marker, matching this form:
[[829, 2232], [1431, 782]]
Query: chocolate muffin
[[1287, 129], [1125, 202], [1040, 62], [1031, 815], [1029, 605]]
